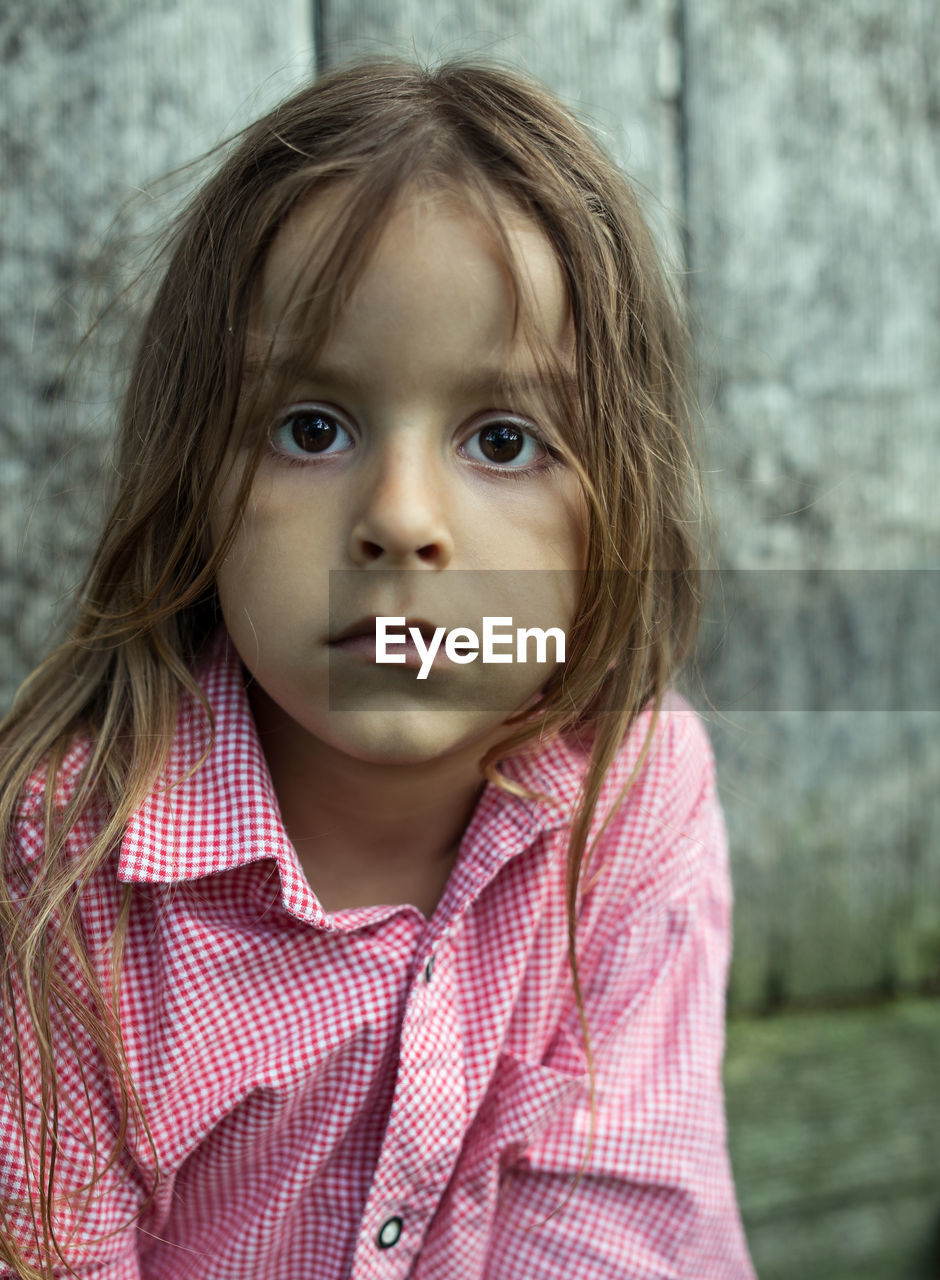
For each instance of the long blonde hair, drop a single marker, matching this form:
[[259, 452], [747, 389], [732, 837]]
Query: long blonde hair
[[147, 605]]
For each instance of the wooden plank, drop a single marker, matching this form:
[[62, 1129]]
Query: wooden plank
[[615, 64], [811, 173], [97, 101]]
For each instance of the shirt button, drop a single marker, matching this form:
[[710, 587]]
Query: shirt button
[[389, 1232], [429, 969]]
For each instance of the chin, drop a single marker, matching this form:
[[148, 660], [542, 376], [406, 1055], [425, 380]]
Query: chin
[[407, 738]]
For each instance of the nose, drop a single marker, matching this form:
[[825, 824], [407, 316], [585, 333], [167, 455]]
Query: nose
[[400, 520]]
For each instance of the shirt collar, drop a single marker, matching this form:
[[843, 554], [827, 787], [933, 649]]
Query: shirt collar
[[212, 814], [213, 810]]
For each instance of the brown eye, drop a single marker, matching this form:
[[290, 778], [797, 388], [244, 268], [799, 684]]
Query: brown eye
[[308, 431], [313, 432], [502, 442], [504, 445]]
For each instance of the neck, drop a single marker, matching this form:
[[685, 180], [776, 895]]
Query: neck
[[368, 832]]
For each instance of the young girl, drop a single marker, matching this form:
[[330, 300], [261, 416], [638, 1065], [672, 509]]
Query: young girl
[[312, 968]]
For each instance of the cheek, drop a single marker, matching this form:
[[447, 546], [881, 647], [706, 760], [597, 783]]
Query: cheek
[[246, 575], [561, 528], [225, 501], [286, 540]]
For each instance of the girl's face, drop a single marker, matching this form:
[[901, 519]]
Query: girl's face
[[408, 454]]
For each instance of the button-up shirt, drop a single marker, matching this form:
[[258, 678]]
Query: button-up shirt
[[366, 1093]]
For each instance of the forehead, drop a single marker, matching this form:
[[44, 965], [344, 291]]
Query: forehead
[[433, 252]]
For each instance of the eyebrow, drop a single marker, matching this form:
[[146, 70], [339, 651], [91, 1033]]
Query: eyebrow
[[293, 364]]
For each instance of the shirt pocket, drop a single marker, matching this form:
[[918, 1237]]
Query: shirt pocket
[[524, 1097]]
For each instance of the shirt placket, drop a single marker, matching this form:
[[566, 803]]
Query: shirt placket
[[426, 1125]]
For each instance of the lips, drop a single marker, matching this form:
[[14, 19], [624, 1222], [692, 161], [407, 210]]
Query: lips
[[366, 627]]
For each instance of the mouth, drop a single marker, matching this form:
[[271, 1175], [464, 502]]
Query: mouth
[[367, 627], [413, 645]]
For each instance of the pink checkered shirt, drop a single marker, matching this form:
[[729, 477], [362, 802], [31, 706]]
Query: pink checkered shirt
[[370, 1094]]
